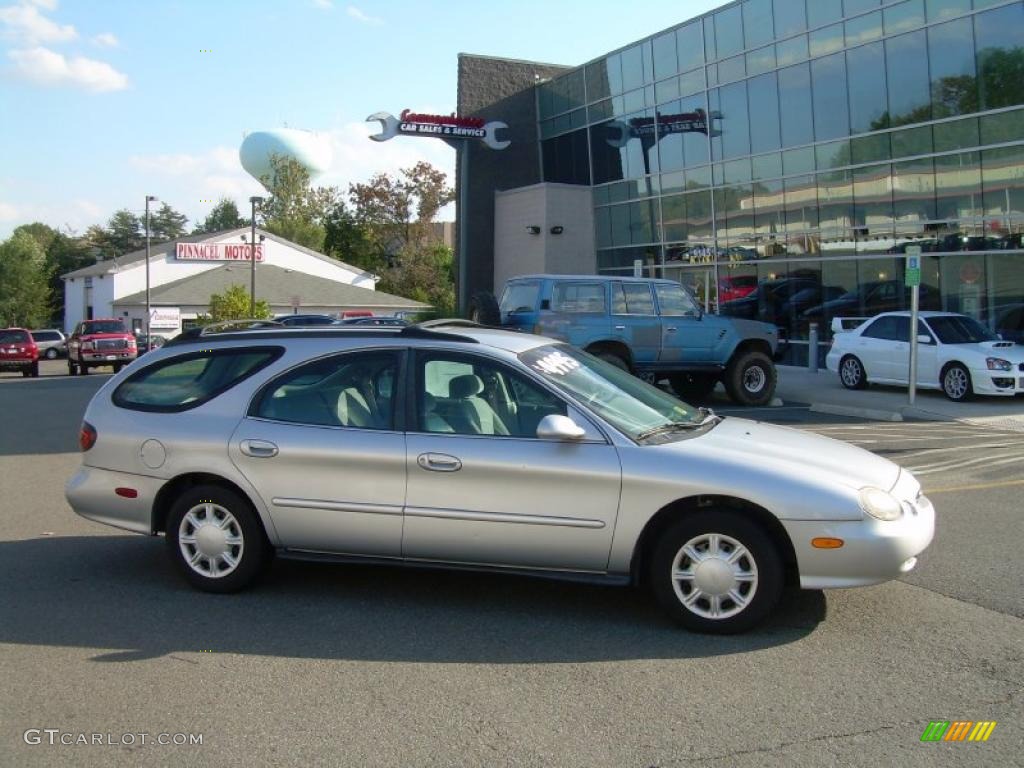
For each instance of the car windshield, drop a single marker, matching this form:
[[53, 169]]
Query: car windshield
[[104, 326], [631, 405], [13, 337], [519, 297], [957, 329]]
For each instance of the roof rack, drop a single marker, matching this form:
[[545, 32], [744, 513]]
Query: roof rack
[[270, 329]]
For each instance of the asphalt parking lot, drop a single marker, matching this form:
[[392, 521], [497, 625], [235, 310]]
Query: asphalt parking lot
[[347, 665]]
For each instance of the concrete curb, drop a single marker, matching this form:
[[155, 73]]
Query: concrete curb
[[860, 413]]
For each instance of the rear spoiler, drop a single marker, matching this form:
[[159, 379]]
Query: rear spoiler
[[842, 324]]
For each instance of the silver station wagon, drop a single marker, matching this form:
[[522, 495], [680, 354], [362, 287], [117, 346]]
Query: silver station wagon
[[450, 444]]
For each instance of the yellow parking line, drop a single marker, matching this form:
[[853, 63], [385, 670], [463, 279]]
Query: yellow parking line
[[979, 486]]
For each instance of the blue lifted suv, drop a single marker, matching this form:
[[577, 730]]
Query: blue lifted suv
[[653, 328]]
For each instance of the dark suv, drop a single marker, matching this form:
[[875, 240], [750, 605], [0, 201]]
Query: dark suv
[[97, 342]]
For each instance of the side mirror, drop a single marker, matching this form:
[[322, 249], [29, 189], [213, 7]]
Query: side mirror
[[557, 427], [924, 338]]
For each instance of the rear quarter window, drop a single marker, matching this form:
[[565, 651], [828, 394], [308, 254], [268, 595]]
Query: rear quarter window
[[189, 380]]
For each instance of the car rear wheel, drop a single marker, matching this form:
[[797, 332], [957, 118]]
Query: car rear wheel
[[851, 373], [613, 359], [483, 309], [750, 378], [216, 540], [51, 354], [33, 370], [693, 386], [956, 383], [717, 572]]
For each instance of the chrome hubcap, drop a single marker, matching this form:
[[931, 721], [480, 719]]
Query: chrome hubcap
[[210, 540], [851, 373], [754, 378], [714, 576], [956, 383]]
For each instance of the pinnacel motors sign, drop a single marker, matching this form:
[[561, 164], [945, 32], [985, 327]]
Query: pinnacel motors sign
[[447, 127], [216, 252]]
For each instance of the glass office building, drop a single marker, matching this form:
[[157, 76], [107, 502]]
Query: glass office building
[[779, 157]]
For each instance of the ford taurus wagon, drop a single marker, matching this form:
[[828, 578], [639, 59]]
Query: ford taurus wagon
[[448, 444]]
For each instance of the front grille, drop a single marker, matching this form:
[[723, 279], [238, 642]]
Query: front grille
[[111, 343]]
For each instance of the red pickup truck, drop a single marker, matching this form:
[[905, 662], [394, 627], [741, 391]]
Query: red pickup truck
[[103, 341], [18, 352]]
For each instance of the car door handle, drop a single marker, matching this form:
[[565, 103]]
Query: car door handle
[[670, 329], [620, 327], [259, 449], [438, 462]]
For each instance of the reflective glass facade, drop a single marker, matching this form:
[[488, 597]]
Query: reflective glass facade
[[778, 156]]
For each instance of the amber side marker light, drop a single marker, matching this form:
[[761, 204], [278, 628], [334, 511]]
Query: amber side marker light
[[128, 493], [826, 542]]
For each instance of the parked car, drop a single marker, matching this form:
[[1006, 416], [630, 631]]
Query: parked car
[[144, 343], [734, 287], [103, 341], [305, 320], [52, 343], [805, 298], [470, 447], [765, 301], [955, 353], [18, 352], [395, 322], [872, 298], [653, 328]]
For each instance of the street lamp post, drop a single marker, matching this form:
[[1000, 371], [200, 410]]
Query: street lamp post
[[149, 199], [254, 200]]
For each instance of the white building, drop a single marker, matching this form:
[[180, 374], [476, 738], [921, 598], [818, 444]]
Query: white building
[[184, 273]]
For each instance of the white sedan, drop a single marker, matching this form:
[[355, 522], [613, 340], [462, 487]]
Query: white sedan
[[956, 354]]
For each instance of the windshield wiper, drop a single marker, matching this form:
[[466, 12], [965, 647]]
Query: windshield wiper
[[707, 413]]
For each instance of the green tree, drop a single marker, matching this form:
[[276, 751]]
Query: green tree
[[224, 215], [350, 241], [233, 304], [124, 232], [295, 210], [24, 282], [166, 223]]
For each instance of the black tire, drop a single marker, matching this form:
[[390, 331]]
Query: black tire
[[613, 359], [762, 560], [956, 383], [50, 354], [852, 374], [83, 369], [483, 309], [750, 378], [33, 371], [72, 369], [693, 386], [26, 372], [118, 367], [252, 553]]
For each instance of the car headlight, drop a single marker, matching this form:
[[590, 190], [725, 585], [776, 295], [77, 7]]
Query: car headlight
[[879, 504], [998, 364]]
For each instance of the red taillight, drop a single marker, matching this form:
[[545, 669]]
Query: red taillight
[[87, 436], [128, 493]]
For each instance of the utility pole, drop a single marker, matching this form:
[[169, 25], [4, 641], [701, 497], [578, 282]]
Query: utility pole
[[254, 200], [149, 199]]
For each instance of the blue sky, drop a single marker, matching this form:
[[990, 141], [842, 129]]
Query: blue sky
[[105, 101]]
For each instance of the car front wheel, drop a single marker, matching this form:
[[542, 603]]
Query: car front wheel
[[51, 354], [750, 378], [956, 383], [216, 540], [716, 572]]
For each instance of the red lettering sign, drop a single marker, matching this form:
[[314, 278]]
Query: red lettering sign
[[462, 122]]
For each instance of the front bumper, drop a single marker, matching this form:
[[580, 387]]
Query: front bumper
[[90, 492], [108, 356], [873, 552], [1005, 383]]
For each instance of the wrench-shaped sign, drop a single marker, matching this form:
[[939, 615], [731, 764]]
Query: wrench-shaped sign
[[391, 126]]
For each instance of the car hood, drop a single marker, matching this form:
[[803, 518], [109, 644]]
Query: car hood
[[1007, 349], [792, 452]]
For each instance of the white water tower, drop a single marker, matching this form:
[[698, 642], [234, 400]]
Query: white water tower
[[311, 150]]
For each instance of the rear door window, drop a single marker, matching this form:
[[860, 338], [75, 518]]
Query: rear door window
[[883, 328], [189, 380], [578, 298]]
